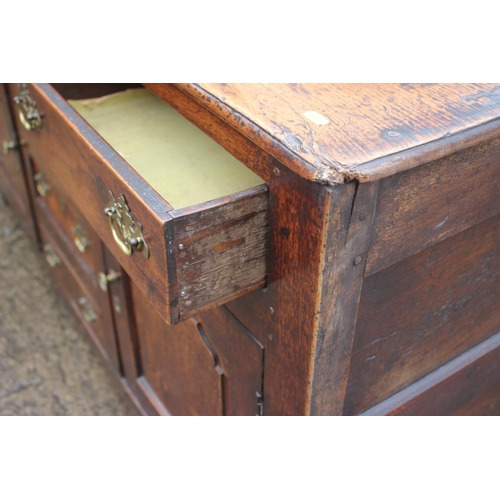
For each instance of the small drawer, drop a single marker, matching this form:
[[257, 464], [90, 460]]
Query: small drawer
[[92, 307], [185, 219], [52, 202]]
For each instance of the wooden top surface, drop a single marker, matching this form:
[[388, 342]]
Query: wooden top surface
[[332, 133]]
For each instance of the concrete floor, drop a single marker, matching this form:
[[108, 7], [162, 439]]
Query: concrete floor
[[47, 365]]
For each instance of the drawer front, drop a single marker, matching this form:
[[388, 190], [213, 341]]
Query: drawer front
[[90, 305], [55, 209], [198, 257], [71, 152]]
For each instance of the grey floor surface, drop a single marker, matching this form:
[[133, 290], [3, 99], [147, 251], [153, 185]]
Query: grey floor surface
[[47, 365]]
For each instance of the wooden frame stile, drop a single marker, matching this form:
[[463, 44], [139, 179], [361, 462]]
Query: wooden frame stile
[[343, 269], [319, 239]]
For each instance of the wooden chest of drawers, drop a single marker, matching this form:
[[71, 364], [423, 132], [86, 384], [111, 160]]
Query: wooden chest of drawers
[[341, 240]]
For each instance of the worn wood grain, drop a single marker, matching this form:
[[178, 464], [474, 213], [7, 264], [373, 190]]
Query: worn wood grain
[[422, 312], [341, 281], [221, 251], [467, 385], [300, 215], [373, 131], [420, 207]]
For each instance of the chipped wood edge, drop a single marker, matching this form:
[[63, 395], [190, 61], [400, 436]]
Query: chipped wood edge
[[332, 174], [323, 173]]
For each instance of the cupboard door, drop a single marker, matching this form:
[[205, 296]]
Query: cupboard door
[[177, 364], [206, 365], [241, 359]]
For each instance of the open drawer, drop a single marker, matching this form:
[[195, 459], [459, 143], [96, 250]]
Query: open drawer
[[186, 220]]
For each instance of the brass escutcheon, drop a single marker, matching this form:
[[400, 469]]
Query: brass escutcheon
[[26, 107], [126, 231]]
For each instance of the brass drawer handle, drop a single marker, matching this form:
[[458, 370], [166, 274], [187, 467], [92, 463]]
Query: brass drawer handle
[[87, 310], [81, 240], [126, 231], [26, 107], [104, 279], [50, 254], [41, 185]]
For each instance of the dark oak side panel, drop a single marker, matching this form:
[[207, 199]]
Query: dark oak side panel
[[423, 206], [467, 385], [422, 312], [486, 404]]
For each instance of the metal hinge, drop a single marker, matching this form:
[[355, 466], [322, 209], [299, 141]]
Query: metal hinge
[[260, 404]]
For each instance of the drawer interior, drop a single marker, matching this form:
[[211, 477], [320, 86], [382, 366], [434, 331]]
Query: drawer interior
[[180, 162], [200, 252]]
